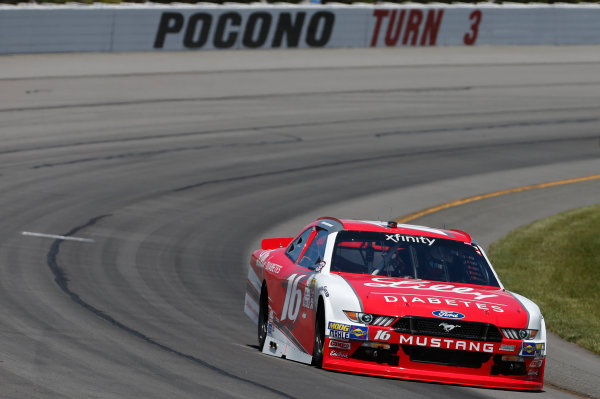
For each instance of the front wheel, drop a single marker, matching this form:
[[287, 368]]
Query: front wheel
[[263, 318], [317, 359]]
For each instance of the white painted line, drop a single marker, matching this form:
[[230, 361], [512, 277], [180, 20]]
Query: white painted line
[[66, 238]]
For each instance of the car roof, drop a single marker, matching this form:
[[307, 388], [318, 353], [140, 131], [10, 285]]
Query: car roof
[[392, 227]]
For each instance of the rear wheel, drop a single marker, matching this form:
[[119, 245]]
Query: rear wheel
[[263, 317], [317, 359]]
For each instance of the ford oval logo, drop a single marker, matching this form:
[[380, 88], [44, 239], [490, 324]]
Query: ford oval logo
[[448, 314]]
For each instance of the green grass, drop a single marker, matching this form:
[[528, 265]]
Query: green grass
[[556, 263]]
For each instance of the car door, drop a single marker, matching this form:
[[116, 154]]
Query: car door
[[299, 306]]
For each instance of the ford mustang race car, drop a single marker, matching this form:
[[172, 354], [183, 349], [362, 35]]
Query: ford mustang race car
[[394, 300]]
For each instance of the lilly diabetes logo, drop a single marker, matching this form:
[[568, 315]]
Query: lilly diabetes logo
[[448, 314]]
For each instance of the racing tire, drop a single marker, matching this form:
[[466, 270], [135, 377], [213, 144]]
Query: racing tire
[[263, 317], [317, 356]]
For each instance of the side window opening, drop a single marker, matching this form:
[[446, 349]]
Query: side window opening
[[296, 247], [315, 252]]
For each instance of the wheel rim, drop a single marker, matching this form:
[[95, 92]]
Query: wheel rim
[[262, 329], [263, 320], [319, 342]]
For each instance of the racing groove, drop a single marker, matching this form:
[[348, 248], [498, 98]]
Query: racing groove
[[176, 175]]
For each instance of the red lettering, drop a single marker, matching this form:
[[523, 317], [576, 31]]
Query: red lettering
[[412, 27], [432, 27], [379, 14], [392, 39], [470, 37]]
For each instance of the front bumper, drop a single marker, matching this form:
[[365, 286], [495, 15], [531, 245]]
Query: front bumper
[[492, 369]]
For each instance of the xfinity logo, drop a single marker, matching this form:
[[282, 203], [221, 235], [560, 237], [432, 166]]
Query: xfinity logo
[[448, 314]]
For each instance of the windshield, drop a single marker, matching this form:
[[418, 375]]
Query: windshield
[[410, 256]]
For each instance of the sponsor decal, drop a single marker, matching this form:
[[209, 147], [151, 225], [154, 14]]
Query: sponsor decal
[[533, 349], [386, 282], [339, 344], [306, 302], [339, 326], [533, 372], [325, 292], [263, 256], [254, 30], [270, 329], [486, 306], [339, 353], [528, 349], [339, 334], [404, 238], [414, 27], [320, 267], [537, 363], [272, 267], [446, 343], [346, 331], [507, 348], [539, 347], [448, 327], [448, 314], [359, 332]]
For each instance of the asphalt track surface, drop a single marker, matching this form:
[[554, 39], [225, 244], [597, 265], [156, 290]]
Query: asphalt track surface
[[165, 170]]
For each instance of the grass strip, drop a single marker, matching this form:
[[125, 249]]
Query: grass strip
[[556, 263]]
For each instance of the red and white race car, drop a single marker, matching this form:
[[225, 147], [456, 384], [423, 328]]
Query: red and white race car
[[394, 300]]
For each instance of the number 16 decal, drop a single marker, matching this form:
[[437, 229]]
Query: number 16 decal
[[293, 298], [471, 37], [382, 336]]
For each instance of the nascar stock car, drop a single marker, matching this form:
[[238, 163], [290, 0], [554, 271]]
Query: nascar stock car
[[394, 300]]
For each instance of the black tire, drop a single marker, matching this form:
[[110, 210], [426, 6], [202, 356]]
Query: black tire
[[319, 342], [263, 317]]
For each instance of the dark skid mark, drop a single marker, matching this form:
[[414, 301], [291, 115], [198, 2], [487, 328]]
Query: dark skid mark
[[252, 97], [162, 152], [379, 158], [487, 127], [294, 95], [288, 126], [62, 280]]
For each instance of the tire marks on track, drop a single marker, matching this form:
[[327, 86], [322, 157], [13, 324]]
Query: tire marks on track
[[382, 157], [62, 280]]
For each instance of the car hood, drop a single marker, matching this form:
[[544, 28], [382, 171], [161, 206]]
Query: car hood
[[412, 297]]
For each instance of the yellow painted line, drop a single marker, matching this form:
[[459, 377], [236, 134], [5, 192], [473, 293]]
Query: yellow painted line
[[467, 200]]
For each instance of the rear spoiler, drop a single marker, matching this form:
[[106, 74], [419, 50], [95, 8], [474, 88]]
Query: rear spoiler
[[274, 243]]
